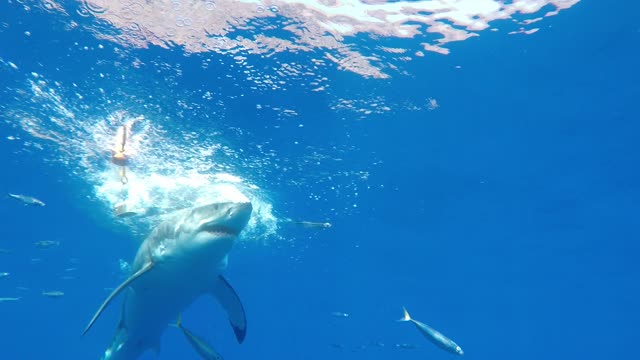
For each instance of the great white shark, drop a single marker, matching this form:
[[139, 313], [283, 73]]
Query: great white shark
[[180, 260]]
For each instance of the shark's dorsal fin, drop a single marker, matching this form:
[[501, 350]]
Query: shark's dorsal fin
[[232, 305], [148, 266]]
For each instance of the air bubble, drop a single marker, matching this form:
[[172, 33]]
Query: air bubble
[[93, 8], [181, 22], [48, 6]]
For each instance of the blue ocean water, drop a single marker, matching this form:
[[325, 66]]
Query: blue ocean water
[[507, 217]]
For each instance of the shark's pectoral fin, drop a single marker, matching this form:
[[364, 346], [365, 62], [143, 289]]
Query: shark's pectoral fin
[[232, 305], [148, 266]]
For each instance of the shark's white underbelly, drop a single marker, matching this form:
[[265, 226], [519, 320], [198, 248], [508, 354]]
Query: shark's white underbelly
[[155, 301]]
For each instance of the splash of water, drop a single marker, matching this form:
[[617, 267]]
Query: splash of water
[[166, 171]]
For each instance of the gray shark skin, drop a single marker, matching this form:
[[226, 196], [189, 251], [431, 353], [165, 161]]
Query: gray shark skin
[[180, 260]]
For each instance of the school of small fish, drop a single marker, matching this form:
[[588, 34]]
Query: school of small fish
[[27, 200]]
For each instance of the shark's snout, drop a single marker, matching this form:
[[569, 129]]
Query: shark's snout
[[238, 216], [229, 218]]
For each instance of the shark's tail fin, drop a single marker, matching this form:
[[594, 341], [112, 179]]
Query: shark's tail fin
[[406, 316]]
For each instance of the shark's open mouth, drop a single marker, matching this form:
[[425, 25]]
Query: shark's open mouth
[[218, 230]]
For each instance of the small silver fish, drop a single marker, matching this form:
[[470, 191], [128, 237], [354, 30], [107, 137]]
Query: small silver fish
[[433, 335], [5, 251], [312, 225], [27, 200], [339, 314], [46, 244], [53, 294], [4, 274], [9, 299], [202, 348]]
